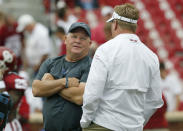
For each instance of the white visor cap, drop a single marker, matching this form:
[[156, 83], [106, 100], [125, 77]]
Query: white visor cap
[[116, 16]]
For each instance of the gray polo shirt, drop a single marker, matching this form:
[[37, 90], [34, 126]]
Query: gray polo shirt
[[58, 113]]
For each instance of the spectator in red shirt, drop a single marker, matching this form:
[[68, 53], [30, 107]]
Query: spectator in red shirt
[[9, 37], [15, 86]]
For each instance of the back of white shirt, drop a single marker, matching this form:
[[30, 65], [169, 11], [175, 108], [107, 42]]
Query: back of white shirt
[[123, 79], [127, 56]]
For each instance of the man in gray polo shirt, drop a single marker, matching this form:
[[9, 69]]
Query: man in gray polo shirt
[[63, 93]]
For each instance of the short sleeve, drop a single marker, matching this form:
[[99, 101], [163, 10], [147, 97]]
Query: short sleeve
[[44, 68]]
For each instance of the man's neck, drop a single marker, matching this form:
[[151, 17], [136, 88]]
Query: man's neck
[[122, 32], [73, 58]]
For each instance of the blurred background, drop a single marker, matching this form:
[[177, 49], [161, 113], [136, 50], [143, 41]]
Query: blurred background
[[160, 27]]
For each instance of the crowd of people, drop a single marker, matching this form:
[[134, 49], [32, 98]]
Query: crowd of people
[[83, 69]]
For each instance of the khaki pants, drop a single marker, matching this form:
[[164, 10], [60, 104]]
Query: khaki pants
[[95, 127]]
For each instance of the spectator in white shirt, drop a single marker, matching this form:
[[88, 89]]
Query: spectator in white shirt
[[123, 86], [64, 17], [38, 46], [172, 88]]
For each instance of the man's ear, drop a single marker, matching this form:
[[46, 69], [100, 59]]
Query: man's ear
[[115, 25], [90, 42]]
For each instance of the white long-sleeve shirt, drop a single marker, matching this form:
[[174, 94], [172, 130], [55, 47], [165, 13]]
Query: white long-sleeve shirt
[[123, 86]]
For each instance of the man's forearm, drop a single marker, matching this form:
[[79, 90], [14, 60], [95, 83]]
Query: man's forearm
[[74, 99], [74, 94], [45, 88]]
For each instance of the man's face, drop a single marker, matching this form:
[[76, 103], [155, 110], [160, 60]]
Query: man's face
[[163, 73], [28, 28], [78, 42]]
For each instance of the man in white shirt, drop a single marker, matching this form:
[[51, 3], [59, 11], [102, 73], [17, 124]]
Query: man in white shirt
[[123, 86], [171, 87], [38, 46]]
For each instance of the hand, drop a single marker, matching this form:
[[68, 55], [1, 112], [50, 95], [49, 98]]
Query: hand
[[73, 82], [47, 76]]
